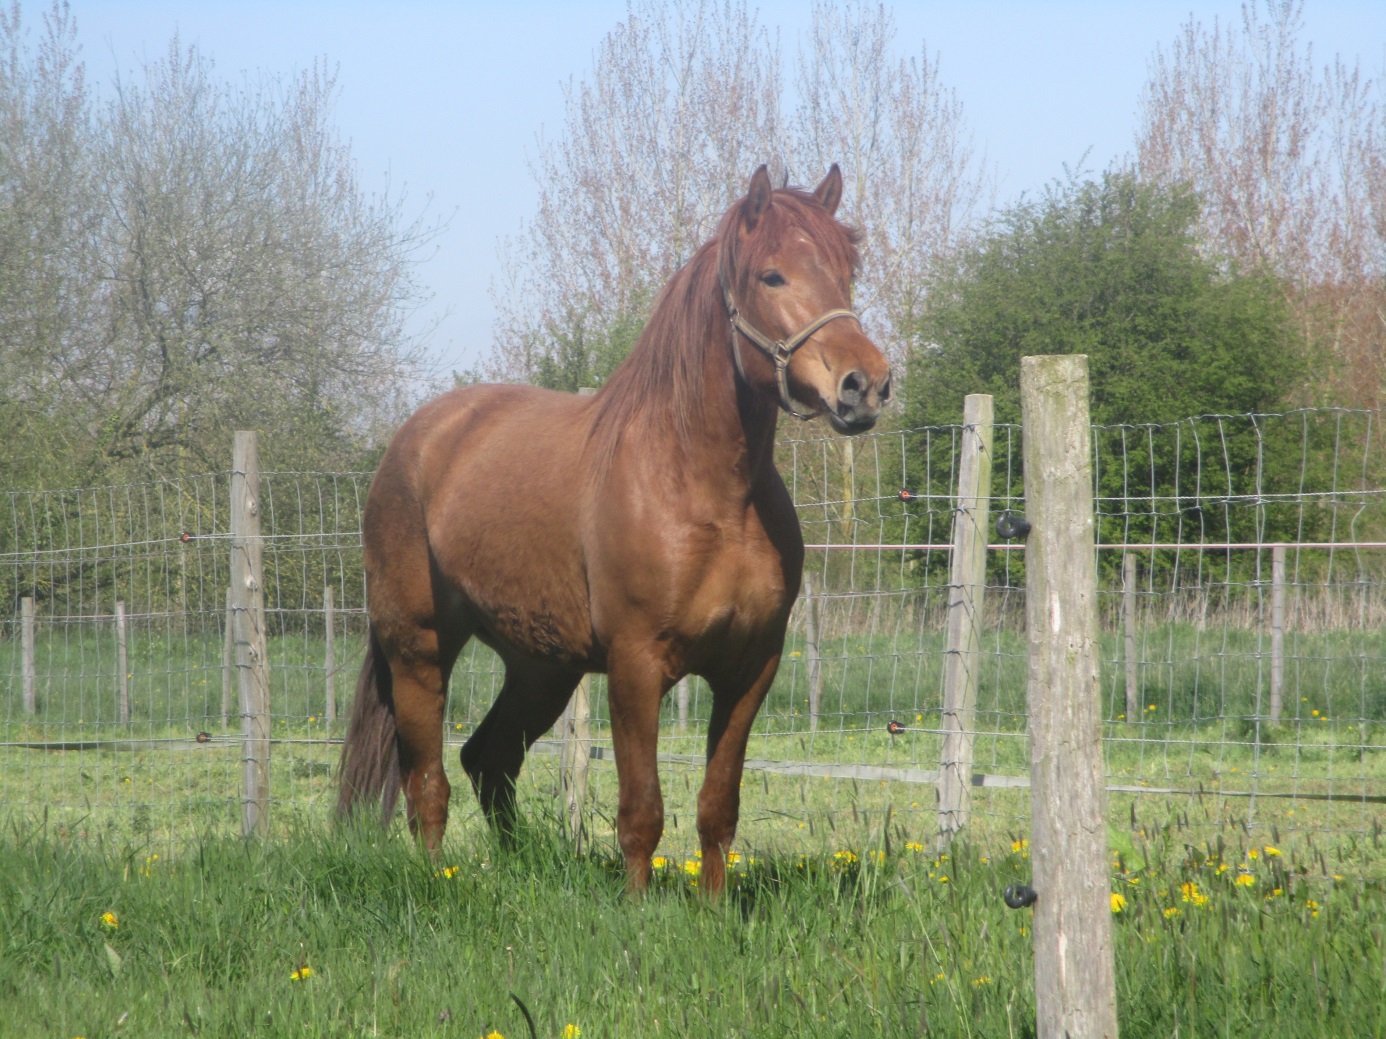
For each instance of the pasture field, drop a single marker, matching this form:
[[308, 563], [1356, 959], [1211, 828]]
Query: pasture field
[[1184, 771], [359, 934]]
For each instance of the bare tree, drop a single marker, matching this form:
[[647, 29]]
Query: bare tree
[[1282, 153], [682, 102], [915, 182], [48, 210]]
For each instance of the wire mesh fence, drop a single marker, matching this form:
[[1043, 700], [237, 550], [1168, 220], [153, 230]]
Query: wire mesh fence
[[119, 715]]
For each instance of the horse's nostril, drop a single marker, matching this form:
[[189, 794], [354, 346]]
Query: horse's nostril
[[851, 389]]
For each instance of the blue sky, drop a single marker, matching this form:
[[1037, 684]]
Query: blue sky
[[444, 100]]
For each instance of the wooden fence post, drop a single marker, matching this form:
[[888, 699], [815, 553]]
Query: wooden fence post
[[228, 657], [575, 759], [1128, 611], [681, 698], [966, 593], [122, 667], [329, 661], [1075, 971], [1277, 676], [813, 657], [26, 642], [252, 654]]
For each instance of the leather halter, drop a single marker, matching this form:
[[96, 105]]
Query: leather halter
[[779, 351]]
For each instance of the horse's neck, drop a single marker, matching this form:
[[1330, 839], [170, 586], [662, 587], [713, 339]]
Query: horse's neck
[[738, 424]]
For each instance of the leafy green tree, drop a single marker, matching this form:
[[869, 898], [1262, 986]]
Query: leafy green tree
[[1112, 268]]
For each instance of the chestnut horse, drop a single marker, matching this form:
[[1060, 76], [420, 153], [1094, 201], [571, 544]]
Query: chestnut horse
[[642, 531]]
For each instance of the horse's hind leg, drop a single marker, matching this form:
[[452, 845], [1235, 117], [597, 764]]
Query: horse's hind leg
[[530, 701], [420, 670]]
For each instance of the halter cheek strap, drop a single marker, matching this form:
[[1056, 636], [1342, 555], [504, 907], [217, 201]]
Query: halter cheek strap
[[778, 350]]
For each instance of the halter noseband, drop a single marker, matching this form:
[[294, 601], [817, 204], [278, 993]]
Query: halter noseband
[[779, 351]]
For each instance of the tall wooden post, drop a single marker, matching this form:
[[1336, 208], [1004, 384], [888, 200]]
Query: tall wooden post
[[813, 657], [966, 594], [1075, 973], [26, 651], [122, 667], [252, 653], [329, 661], [1277, 677], [1128, 612]]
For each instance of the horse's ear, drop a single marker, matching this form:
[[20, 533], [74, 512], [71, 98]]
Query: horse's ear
[[829, 193], [757, 198]]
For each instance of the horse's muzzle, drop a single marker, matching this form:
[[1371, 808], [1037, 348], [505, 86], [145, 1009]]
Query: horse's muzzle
[[859, 401]]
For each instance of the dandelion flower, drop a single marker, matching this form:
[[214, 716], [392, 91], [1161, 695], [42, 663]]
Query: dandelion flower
[[1245, 880], [1172, 912], [692, 867], [571, 1031], [494, 1035], [302, 974], [1118, 902], [985, 979], [1019, 845], [1189, 893], [659, 862], [845, 857], [1272, 851], [108, 919], [914, 846]]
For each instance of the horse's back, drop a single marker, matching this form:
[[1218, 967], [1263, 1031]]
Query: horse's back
[[478, 494]]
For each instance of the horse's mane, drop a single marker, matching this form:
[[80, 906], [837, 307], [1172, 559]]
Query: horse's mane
[[661, 383]]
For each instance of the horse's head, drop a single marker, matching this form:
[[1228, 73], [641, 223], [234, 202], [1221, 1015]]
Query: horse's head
[[786, 269]]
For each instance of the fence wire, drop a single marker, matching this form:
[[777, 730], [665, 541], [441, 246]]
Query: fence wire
[[150, 751]]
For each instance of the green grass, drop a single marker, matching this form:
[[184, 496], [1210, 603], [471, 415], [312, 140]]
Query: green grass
[[876, 942], [1201, 739]]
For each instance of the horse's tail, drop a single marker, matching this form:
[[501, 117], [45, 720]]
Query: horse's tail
[[370, 756]]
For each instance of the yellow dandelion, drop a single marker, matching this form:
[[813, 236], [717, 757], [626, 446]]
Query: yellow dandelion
[[494, 1035], [1020, 845], [914, 846], [1118, 902], [692, 867], [845, 857], [302, 974], [108, 919], [1272, 851], [1274, 894], [1189, 892], [1245, 880], [985, 979], [1172, 912], [571, 1031], [447, 871], [1253, 854], [659, 862], [733, 858]]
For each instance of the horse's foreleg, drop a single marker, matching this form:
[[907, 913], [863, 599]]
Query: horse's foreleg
[[530, 701], [735, 702], [635, 680]]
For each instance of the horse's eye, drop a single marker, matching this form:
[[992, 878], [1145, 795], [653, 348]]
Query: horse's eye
[[773, 278]]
